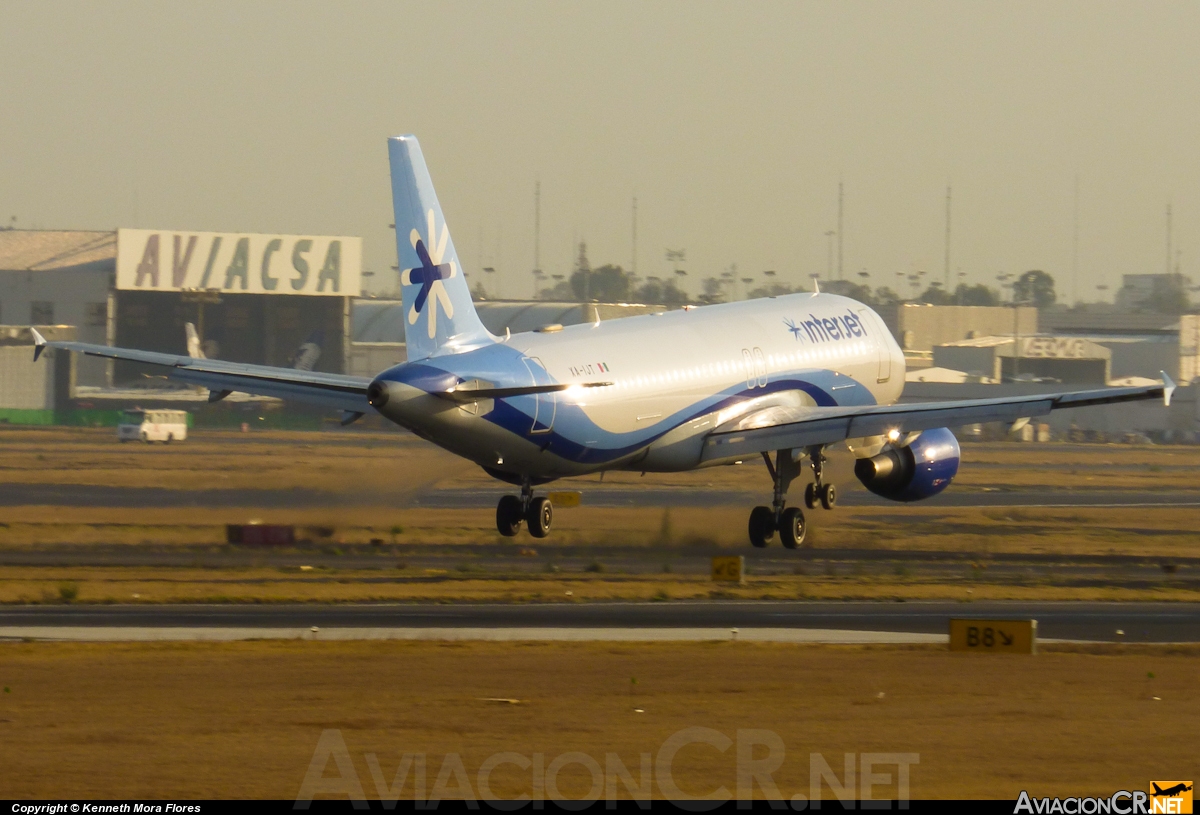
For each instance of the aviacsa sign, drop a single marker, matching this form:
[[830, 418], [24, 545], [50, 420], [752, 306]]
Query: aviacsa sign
[[237, 263]]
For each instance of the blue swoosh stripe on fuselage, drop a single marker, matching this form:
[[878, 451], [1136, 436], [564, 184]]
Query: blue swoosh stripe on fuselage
[[496, 364], [561, 439]]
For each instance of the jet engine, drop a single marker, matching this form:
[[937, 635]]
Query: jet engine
[[920, 469]]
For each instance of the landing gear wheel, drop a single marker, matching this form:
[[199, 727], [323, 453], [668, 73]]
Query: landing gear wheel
[[170, 438], [538, 516], [792, 528], [810, 496], [509, 515], [828, 495], [762, 526]]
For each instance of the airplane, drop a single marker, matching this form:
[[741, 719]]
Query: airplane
[[304, 358], [1170, 792], [779, 377]]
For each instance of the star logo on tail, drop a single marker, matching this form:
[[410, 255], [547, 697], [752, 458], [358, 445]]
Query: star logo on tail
[[430, 274]]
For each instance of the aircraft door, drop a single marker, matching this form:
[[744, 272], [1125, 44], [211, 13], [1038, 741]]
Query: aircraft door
[[882, 350], [545, 405]]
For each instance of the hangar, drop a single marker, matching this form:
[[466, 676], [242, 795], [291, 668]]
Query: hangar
[[253, 297]]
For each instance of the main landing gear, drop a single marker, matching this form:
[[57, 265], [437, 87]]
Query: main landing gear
[[514, 510], [789, 521]]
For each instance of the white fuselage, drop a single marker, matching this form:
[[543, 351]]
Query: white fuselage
[[674, 377]]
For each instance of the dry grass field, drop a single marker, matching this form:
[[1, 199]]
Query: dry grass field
[[243, 720], [150, 585], [366, 487]]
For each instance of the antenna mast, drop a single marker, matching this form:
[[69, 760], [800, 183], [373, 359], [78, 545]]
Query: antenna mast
[[633, 265], [537, 233], [839, 231], [947, 271], [1075, 247], [1168, 238]]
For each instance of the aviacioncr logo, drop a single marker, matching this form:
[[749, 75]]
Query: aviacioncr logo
[[430, 274]]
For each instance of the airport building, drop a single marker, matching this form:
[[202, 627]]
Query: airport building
[[1069, 360], [252, 297], [378, 326]]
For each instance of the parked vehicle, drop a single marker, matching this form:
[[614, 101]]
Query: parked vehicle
[[153, 425]]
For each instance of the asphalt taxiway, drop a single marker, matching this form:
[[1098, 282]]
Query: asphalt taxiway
[[597, 495], [1090, 622]]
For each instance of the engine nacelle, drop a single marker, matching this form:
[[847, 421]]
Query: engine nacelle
[[919, 470]]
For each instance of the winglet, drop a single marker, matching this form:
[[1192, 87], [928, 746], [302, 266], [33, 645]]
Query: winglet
[[816, 287], [1168, 388], [39, 343]]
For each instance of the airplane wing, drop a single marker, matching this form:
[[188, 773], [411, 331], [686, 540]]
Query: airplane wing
[[348, 393], [828, 425]]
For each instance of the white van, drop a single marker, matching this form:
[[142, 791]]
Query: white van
[[153, 425]]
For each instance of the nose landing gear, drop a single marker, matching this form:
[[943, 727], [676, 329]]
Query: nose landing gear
[[514, 510], [819, 492]]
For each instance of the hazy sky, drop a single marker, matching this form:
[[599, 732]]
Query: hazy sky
[[731, 122]]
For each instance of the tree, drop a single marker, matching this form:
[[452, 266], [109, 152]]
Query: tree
[[977, 295], [1034, 287], [714, 291], [607, 284], [560, 292], [935, 295], [885, 296], [770, 290], [655, 291], [854, 291]]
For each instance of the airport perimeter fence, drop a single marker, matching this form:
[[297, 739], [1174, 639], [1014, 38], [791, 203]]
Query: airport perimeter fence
[[221, 420]]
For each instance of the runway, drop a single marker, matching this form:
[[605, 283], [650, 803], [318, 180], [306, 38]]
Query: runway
[[1089, 622]]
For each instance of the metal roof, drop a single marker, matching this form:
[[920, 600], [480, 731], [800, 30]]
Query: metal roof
[[383, 321], [46, 250]]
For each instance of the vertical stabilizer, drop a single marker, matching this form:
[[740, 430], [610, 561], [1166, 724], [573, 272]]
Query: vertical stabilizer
[[439, 314], [194, 349]]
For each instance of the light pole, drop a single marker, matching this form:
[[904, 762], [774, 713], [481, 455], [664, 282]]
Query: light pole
[[829, 254]]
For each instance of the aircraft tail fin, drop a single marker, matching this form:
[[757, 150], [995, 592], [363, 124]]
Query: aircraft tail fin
[[193, 342], [439, 314], [306, 355]]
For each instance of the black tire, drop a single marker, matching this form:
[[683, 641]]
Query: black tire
[[170, 438], [792, 528], [762, 526], [810, 496], [829, 496], [539, 516], [509, 516]]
